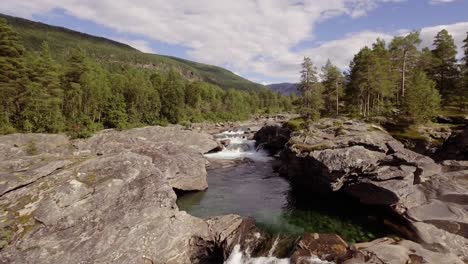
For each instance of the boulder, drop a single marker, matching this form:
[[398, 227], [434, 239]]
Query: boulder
[[328, 247], [111, 141], [391, 251], [454, 148]]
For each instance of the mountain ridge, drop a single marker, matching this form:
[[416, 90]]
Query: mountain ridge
[[284, 88], [109, 51]]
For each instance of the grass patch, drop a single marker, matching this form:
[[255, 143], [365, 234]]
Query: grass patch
[[31, 148], [296, 124], [411, 134]]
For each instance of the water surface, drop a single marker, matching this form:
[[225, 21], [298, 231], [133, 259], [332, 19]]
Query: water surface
[[253, 189]]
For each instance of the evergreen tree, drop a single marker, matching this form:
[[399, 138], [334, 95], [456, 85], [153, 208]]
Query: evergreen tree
[[465, 50], [332, 81], [311, 91], [75, 68], [13, 80], [359, 85], [404, 53], [42, 105], [423, 100], [115, 112], [444, 69], [462, 93]]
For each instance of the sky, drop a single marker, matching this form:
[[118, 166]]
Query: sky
[[261, 40]]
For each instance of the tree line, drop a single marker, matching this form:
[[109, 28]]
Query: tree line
[[81, 95], [394, 79]]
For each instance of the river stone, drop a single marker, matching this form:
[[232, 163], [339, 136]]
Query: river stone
[[390, 251], [328, 247]]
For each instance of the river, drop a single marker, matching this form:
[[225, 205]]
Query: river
[[253, 188]]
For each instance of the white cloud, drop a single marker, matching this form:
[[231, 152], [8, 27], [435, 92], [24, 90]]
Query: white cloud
[[139, 44], [250, 37], [457, 30], [435, 2], [245, 35]]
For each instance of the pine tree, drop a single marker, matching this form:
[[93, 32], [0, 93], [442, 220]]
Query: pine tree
[[72, 84], [358, 90], [13, 79], [404, 52], [445, 70], [422, 102], [311, 91], [383, 78], [332, 81], [462, 93], [465, 50]]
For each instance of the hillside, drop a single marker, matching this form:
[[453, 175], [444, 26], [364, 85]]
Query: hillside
[[284, 88], [107, 51]]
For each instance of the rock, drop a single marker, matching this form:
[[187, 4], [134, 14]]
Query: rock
[[110, 141], [365, 162], [390, 251], [328, 247], [23, 145], [455, 165], [455, 148], [272, 137], [458, 120], [108, 199]]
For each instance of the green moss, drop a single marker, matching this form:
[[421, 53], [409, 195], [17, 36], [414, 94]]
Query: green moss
[[296, 124], [89, 179], [24, 219], [31, 148], [5, 237], [309, 148], [411, 134], [338, 123]]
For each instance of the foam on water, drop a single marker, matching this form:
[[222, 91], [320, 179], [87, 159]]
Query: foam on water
[[238, 257], [239, 147]]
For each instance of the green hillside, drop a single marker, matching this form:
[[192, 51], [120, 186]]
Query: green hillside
[[62, 40]]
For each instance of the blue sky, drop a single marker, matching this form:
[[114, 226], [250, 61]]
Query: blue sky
[[263, 40]]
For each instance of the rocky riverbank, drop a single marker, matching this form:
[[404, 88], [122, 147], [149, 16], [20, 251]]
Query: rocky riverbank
[[112, 198], [107, 199], [427, 200]]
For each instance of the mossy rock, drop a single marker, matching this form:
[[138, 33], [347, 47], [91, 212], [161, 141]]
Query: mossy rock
[[309, 148]]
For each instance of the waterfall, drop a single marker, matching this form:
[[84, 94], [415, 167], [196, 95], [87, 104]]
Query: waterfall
[[238, 146], [238, 257]]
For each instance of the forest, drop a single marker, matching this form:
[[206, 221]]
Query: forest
[[396, 80], [51, 84], [81, 94]]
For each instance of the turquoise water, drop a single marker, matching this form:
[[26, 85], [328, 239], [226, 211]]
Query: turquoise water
[[254, 189]]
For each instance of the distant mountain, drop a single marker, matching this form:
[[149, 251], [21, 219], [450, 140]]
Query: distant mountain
[[284, 88], [110, 52]]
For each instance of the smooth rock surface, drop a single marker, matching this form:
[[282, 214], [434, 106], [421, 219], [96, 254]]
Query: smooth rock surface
[[365, 162], [107, 199]]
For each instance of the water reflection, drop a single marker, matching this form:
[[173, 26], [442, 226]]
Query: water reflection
[[253, 189]]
